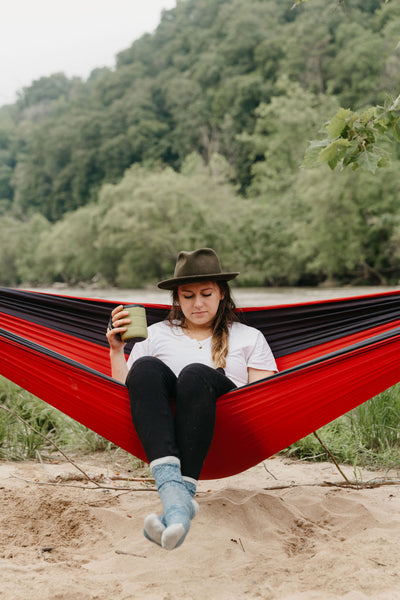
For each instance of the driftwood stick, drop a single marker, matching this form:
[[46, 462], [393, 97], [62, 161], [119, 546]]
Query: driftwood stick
[[85, 487], [355, 485], [332, 457], [63, 477], [120, 478], [130, 553], [269, 472]]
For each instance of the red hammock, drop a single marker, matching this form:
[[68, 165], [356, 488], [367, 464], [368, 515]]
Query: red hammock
[[332, 355]]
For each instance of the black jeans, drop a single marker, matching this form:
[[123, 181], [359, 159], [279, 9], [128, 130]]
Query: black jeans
[[187, 431]]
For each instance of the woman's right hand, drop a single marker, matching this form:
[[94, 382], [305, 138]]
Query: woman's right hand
[[120, 320]]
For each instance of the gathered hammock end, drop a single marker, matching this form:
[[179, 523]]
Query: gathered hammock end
[[332, 356]]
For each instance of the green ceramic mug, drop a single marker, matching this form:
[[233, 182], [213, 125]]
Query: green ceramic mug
[[137, 328]]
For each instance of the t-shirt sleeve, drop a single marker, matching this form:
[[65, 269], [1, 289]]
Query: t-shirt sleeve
[[260, 355], [138, 350]]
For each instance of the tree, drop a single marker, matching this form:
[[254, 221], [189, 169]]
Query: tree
[[67, 251], [149, 216], [45, 89], [352, 219], [276, 148]]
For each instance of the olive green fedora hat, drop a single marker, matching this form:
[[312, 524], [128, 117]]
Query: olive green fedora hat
[[199, 265]]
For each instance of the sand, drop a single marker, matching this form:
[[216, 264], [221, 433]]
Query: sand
[[302, 542]]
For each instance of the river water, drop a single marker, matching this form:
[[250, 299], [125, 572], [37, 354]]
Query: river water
[[243, 296]]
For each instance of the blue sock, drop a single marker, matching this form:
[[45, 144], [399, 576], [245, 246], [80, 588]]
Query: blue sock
[[176, 495], [154, 525]]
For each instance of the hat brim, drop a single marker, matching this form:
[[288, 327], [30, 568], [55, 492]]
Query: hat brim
[[170, 284]]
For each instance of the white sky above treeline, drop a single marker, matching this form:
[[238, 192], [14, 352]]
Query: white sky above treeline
[[42, 37]]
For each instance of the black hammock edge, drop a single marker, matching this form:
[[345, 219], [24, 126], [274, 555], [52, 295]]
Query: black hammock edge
[[288, 328]]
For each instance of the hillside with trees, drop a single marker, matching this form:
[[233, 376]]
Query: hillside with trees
[[197, 137]]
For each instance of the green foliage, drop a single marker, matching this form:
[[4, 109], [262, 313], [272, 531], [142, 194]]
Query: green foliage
[[18, 245], [353, 138], [67, 252], [192, 86], [351, 226], [45, 90], [294, 228], [376, 425], [367, 436], [132, 234], [359, 61], [297, 2], [276, 147], [149, 216]]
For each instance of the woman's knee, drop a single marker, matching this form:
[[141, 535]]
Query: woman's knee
[[145, 369], [195, 371], [195, 378], [200, 379]]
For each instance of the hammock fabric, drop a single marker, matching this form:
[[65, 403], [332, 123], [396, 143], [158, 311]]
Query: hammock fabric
[[332, 355]]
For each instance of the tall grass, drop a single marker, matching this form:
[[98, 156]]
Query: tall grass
[[368, 436]]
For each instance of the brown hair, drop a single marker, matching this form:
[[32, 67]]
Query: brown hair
[[223, 319]]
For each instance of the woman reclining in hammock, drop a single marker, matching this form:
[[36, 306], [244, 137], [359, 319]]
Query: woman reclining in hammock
[[200, 353]]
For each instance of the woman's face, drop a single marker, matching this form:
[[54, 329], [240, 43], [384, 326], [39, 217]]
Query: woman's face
[[199, 302]]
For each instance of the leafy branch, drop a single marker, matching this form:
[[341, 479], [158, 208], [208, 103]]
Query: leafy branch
[[297, 2], [355, 139]]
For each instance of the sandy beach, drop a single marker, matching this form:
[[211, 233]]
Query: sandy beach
[[305, 541]]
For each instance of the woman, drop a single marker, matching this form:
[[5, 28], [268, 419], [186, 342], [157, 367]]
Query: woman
[[200, 353]]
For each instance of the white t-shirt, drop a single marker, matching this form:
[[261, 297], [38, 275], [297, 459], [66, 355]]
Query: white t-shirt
[[247, 348]]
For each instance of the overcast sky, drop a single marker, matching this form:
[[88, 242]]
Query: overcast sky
[[42, 37]]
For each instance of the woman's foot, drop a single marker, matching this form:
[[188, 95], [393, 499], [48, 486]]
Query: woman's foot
[[155, 525], [176, 495]]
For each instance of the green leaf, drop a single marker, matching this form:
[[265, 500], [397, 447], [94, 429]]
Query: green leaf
[[369, 161], [368, 114], [313, 151], [396, 130], [338, 122], [384, 162], [333, 153]]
